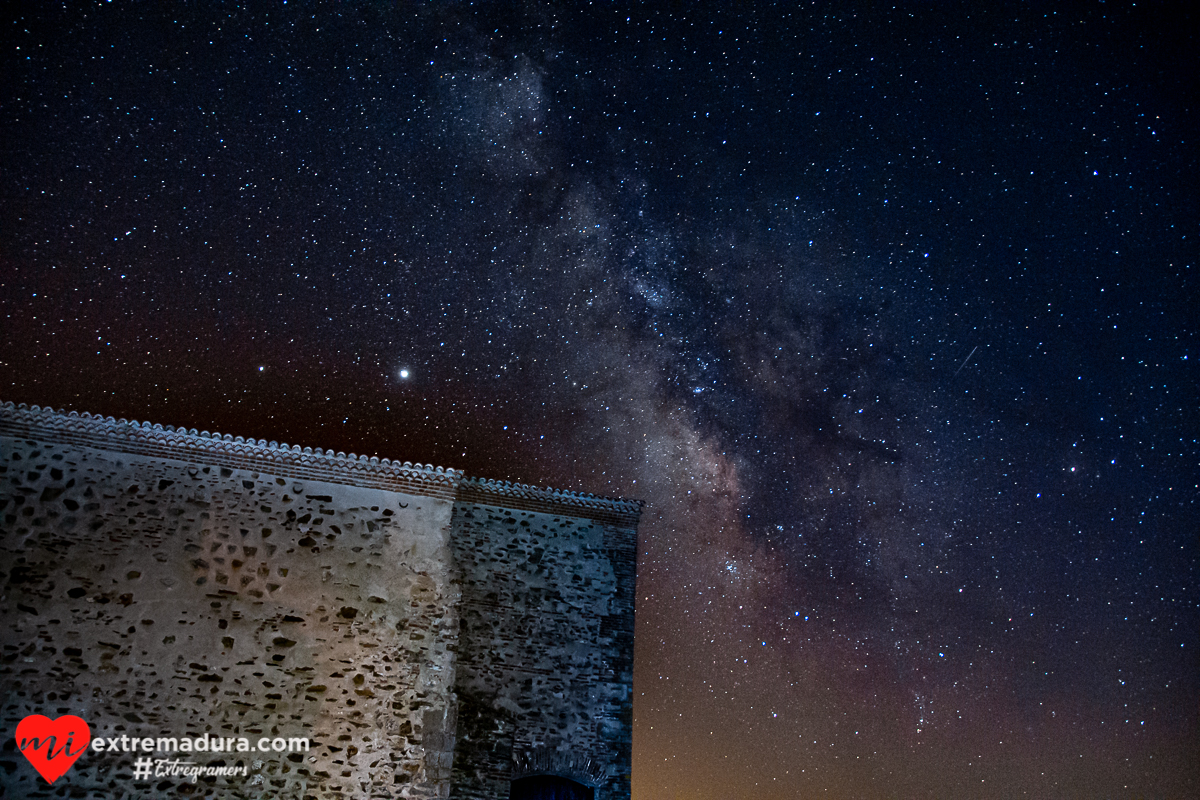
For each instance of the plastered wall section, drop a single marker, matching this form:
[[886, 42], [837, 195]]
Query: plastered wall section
[[546, 648], [158, 596]]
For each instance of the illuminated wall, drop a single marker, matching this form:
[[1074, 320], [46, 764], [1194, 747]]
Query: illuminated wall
[[423, 630]]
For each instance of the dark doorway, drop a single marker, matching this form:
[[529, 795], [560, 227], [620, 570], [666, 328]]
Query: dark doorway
[[549, 787]]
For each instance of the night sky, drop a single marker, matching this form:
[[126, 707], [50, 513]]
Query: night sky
[[888, 315]]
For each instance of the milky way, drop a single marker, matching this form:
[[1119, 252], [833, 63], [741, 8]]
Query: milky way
[[888, 317]]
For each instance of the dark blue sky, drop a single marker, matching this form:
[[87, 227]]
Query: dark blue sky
[[889, 316]]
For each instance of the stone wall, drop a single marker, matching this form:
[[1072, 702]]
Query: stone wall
[[545, 656], [182, 596], [425, 632]]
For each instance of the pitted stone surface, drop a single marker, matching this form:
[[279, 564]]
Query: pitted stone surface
[[159, 598], [545, 657], [160, 582]]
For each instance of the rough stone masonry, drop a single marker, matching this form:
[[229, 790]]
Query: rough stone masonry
[[433, 635]]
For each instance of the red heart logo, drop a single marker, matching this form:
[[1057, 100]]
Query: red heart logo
[[52, 745]]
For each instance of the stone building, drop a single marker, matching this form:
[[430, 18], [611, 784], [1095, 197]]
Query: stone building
[[432, 635]]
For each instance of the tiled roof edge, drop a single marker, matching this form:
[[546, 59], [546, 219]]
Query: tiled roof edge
[[505, 492], [183, 444], [134, 436]]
